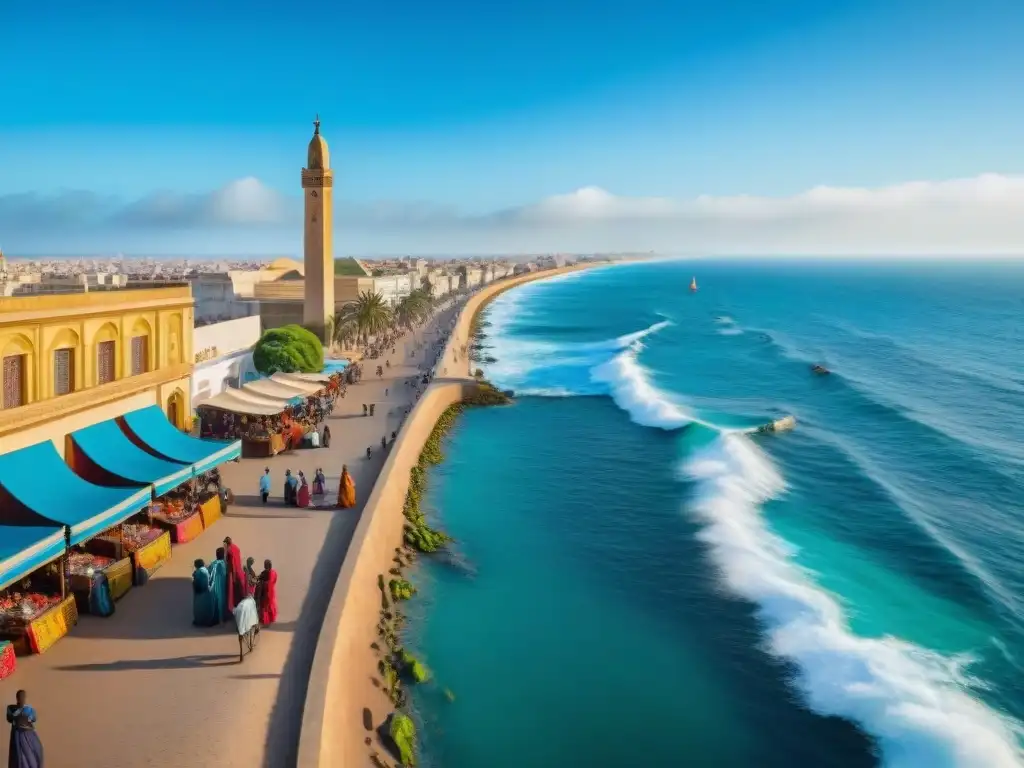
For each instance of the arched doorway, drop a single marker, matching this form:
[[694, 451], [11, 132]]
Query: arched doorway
[[176, 409]]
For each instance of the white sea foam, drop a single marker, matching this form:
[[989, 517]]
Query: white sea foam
[[730, 331], [914, 701]]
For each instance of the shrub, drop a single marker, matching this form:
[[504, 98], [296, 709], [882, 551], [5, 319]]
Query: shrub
[[290, 349]]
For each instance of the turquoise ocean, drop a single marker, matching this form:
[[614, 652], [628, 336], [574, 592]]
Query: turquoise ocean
[[639, 579]]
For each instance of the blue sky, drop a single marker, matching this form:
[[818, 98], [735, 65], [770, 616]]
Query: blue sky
[[462, 110]]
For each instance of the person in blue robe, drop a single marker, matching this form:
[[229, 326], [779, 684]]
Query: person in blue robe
[[205, 611], [219, 585], [26, 750]]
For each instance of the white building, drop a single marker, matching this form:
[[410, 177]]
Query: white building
[[394, 288], [223, 356], [219, 297]]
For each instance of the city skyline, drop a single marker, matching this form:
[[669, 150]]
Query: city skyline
[[795, 129]]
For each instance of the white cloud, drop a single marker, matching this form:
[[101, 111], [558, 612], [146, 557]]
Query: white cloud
[[980, 215]]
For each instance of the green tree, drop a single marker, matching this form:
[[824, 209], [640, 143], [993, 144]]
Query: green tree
[[370, 313], [342, 328], [290, 348], [413, 309]]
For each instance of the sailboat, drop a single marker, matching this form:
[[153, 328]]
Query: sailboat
[[693, 285]]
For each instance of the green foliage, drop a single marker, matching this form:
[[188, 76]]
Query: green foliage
[[487, 394], [413, 668], [402, 733], [290, 348], [401, 589], [418, 534]]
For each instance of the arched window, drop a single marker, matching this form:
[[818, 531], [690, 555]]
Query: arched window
[[63, 350], [140, 347], [16, 356], [106, 353]]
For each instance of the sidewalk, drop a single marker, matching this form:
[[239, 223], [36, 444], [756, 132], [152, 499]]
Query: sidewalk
[[146, 688]]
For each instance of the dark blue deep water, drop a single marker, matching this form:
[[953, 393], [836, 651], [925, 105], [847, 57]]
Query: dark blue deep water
[[641, 580]]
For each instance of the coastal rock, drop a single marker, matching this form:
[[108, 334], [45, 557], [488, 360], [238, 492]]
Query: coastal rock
[[413, 668], [398, 733], [401, 589]]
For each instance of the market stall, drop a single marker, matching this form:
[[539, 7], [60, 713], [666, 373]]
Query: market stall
[[33, 610], [149, 429], [276, 389], [41, 489], [104, 454], [304, 386], [97, 582]]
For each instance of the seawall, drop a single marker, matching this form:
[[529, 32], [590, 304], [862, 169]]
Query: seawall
[[333, 730]]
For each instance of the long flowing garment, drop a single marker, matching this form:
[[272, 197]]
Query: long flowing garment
[[346, 491], [236, 577], [318, 486], [26, 750], [303, 498], [219, 589], [205, 611], [268, 597]]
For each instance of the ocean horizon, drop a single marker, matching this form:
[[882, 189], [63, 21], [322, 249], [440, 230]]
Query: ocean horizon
[[639, 575]]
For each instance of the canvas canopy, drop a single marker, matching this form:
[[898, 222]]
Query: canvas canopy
[[276, 389], [306, 387], [309, 378], [112, 450], [232, 402], [25, 548], [47, 491], [150, 428]]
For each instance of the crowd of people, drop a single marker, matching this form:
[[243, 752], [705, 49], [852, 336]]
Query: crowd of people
[[218, 589], [299, 492], [309, 414]]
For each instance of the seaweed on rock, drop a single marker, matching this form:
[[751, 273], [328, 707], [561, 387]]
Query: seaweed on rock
[[400, 733]]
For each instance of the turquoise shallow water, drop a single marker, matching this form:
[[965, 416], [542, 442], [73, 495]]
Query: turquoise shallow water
[[638, 579]]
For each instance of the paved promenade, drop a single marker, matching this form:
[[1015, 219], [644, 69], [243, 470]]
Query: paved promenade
[[146, 688]]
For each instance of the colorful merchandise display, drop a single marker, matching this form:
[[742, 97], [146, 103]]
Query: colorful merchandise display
[[179, 517], [7, 660], [92, 573]]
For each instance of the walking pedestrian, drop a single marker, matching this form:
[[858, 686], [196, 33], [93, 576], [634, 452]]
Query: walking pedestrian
[[265, 485]]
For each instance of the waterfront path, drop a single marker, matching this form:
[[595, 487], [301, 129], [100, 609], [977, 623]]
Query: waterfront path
[[146, 688]]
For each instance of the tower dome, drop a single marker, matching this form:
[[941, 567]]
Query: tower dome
[[318, 158]]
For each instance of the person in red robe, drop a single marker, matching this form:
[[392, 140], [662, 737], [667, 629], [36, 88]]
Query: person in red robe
[[266, 594], [236, 591], [303, 497]]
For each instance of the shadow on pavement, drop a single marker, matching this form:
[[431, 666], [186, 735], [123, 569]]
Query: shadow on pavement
[[282, 741], [161, 610], [180, 662]]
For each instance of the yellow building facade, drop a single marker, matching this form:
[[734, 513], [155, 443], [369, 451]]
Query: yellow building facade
[[70, 360]]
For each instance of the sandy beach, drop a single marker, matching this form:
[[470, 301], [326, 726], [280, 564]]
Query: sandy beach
[[344, 695]]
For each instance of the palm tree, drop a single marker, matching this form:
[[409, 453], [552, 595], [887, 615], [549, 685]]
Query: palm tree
[[342, 328], [371, 314]]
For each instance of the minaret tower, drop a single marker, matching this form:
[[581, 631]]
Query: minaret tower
[[318, 189]]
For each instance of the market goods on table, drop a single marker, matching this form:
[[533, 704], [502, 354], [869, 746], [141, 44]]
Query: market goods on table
[[138, 535], [20, 608], [85, 564], [172, 510]]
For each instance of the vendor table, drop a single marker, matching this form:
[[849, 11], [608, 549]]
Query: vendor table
[[47, 629], [112, 576], [148, 559], [7, 661], [182, 529], [211, 510]]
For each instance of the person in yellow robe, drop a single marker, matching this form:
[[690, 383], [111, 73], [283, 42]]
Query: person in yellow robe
[[346, 489]]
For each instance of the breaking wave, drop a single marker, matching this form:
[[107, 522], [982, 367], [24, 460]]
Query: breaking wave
[[914, 701]]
